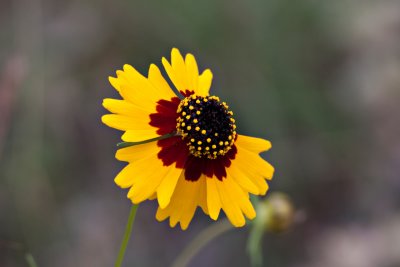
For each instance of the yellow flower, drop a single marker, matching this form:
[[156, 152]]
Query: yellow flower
[[197, 158]]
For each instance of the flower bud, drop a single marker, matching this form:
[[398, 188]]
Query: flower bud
[[279, 212]]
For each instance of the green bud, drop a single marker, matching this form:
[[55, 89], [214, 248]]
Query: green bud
[[278, 212]]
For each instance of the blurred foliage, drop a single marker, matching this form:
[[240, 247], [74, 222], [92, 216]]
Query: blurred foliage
[[319, 79]]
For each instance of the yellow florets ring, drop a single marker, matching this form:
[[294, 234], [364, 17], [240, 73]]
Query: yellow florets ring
[[207, 125]]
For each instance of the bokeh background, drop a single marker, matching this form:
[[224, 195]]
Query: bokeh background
[[320, 79]]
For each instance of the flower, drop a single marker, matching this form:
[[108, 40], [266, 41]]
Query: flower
[[187, 152]]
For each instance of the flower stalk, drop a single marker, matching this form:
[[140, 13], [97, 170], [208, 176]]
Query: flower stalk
[[128, 144], [127, 234], [200, 241]]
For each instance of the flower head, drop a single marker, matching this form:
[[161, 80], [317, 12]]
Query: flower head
[[187, 151]]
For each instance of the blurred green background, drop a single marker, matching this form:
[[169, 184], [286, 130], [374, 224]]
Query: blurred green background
[[320, 79]]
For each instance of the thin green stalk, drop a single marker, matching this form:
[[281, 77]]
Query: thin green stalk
[[127, 234], [200, 241], [30, 260], [128, 144], [20, 248]]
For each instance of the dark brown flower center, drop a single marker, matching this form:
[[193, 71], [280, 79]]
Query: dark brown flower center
[[207, 125]]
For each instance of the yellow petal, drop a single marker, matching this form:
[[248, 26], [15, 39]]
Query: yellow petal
[[124, 179], [203, 194], [148, 175], [229, 205], [154, 196], [187, 216], [199, 193], [127, 91], [114, 82], [192, 72], [254, 163], [184, 201], [135, 171], [178, 64], [205, 80], [241, 168], [213, 198], [137, 89], [124, 123], [184, 74], [253, 144], [125, 108], [244, 181], [138, 152], [167, 186], [140, 135], [158, 81], [163, 214], [240, 197], [172, 75]]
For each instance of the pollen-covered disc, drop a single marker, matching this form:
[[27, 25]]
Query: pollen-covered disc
[[207, 125]]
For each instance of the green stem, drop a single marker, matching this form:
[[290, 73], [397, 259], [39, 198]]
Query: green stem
[[30, 260], [128, 144], [254, 245], [200, 241], [128, 231]]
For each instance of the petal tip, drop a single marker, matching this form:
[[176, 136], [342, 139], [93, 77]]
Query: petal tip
[[127, 67], [159, 216], [104, 118], [214, 214], [208, 72], [104, 102], [175, 50], [118, 182], [172, 223], [189, 56], [152, 67], [165, 61], [163, 202], [114, 82], [184, 226]]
